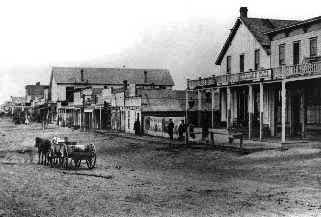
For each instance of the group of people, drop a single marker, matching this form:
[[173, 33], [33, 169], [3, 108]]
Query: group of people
[[181, 129], [170, 129]]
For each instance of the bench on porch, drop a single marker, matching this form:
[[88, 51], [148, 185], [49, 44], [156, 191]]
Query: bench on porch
[[231, 135]]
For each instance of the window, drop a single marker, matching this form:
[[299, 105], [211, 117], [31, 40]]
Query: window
[[282, 54], [228, 64], [296, 52], [69, 94], [257, 59], [242, 63], [313, 47]]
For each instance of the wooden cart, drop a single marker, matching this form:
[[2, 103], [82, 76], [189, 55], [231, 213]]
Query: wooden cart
[[69, 155]]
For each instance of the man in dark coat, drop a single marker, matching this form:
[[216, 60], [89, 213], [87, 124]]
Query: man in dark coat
[[170, 129], [137, 127]]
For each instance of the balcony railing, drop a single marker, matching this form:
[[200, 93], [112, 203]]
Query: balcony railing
[[201, 82], [306, 69], [284, 72]]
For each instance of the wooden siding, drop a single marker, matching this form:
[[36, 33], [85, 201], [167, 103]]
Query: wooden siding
[[244, 43], [295, 35]]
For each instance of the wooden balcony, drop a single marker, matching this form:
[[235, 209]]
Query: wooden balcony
[[307, 69], [201, 82], [279, 73]]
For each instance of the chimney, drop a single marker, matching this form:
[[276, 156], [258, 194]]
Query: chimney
[[38, 83], [145, 76], [81, 75], [243, 12]]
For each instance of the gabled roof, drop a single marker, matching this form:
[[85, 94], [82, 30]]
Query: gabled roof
[[257, 26], [111, 76], [294, 25]]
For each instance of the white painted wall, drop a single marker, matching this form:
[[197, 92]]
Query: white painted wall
[[244, 43], [288, 41]]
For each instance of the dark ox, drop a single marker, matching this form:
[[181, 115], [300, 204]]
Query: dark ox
[[43, 145]]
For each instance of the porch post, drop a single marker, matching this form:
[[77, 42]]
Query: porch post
[[100, 118], [186, 113], [290, 118], [283, 110], [213, 98], [302, 111], [250, 110], [199, 107], [228, 112], [92, 120], [261, 110], [65, 117]]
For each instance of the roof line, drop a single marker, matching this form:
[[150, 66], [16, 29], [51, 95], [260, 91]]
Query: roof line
[[311, 20], [120, 68], [227, 42]]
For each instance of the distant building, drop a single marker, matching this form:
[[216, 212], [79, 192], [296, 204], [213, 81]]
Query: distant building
[[36, 92], [68, 86]]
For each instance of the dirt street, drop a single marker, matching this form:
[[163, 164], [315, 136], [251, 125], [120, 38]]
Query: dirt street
[[143, 179]]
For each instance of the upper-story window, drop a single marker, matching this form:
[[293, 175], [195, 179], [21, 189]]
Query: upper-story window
[[282, 54], [313, 47], [228, 64], [296, 52], [242, 63], [69, 94], [257, 59]]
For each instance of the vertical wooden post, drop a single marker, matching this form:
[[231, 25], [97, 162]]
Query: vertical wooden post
[[65, 117], [272, 112], [283, 110], [186, 115], [302, 111], [228, 112], [290, 113], [250, 110], [261, 109], [213, 98], [100, 118], [92, 119], [199, 107]]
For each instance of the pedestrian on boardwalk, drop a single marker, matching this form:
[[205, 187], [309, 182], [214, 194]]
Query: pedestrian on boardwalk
[[170, 129], [137, 127], [181, 130]]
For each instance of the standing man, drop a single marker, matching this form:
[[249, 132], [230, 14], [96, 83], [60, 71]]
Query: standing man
[[181, 130], [170, 129], [137, 127]]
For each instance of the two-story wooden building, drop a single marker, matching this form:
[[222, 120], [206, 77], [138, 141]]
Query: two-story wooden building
[[296, 67], [246, 93]]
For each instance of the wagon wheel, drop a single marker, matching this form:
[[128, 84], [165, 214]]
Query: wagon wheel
[[91, 161]]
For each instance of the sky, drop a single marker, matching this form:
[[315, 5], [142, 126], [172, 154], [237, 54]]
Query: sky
[[181, 36]]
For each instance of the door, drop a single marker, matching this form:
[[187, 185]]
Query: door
[[295, 107], [242, 106]]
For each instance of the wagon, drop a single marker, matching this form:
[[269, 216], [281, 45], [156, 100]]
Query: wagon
[[76, 153], [66, 154]]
